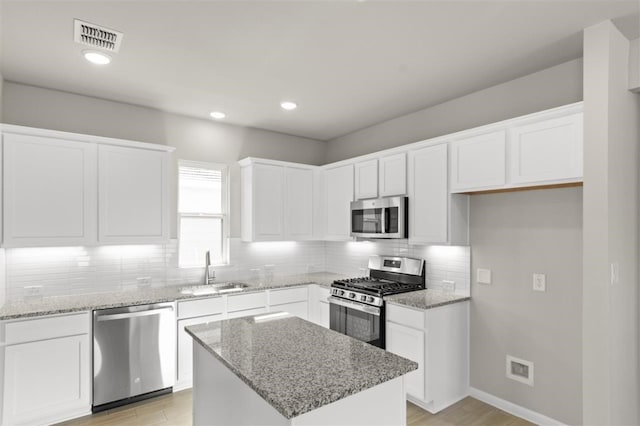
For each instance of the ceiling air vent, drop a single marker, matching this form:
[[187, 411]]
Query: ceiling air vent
[[96, 36]]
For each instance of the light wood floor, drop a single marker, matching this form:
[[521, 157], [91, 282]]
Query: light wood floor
[[175, 410]]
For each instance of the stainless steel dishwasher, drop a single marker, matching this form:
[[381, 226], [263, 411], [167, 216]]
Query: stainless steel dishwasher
[[134, 353]]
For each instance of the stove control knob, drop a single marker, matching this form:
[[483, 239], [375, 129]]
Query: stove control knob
[[363, 298], [341, 293], [370, 299], [352, 295]]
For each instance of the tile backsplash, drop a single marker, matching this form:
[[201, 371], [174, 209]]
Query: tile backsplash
[[59, 271], [450, 263]]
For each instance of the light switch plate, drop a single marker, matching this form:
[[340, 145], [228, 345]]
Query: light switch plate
[[483, 276], [539, 282]]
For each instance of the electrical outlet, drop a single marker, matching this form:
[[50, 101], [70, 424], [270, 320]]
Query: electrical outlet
[[143, 282], [32, 291], [539, 282], [483, 276], [448, 286]]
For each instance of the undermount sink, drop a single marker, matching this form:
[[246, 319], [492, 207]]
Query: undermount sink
[[222, 288]]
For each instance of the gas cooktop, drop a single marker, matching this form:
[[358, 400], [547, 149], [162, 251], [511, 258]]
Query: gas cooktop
[[376, 286]]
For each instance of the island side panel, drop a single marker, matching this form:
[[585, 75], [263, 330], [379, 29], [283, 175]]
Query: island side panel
[[220, 398], [381, 405]]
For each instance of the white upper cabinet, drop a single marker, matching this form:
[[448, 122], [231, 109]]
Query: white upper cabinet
[[393, 175], [268, 198], [277, 201], [62, 189], [435, 215], [338, 197], [549, 150], [366, 179], [478, 162], [544, 148], [299, 195], [133, 195], [49, 191]]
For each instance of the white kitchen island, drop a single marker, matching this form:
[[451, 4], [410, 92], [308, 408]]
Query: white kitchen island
[[274, 369]]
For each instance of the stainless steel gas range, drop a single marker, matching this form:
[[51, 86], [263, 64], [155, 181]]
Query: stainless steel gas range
[[357, 304]]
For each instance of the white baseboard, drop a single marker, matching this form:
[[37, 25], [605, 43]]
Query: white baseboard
[[514, 409]]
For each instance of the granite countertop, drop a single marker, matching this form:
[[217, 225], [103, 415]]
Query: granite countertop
[[63, 304], [295, 365], [425, 299]]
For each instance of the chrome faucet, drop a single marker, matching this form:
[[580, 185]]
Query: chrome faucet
[[207, 265]]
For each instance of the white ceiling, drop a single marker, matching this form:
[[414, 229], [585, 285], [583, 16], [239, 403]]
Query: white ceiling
[[348, 64]]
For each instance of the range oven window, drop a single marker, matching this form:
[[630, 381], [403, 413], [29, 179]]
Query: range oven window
[[357, 324]]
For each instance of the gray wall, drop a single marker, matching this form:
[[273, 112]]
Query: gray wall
[[515, 235], [194, 139], [610, 307], [545, 89]]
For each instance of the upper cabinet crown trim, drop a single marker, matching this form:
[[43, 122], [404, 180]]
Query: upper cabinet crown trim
[[563, 110], [56, 134], [253, 160]]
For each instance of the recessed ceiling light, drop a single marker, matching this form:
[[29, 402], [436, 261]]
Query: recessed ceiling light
[[218, 115], [96, 57], [288, 105]]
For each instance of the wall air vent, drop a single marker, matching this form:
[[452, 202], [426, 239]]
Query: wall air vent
[[96, 36]]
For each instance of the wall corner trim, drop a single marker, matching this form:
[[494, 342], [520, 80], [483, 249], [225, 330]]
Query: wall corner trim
[[512, 408]]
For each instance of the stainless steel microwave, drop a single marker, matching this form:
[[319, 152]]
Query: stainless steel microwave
[[380, 218]]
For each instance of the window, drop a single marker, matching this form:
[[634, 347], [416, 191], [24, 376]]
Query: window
[[202, 213]]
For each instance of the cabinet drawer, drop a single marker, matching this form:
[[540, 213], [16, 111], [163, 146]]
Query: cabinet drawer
[[200, 307], [290, 295], [246, 301], [41, 328], [247, 313], [409, 317]]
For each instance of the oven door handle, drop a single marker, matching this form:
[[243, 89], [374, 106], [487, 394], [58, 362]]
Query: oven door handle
[[354, 305]]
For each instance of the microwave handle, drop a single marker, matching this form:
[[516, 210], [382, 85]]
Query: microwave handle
[[383, 219]]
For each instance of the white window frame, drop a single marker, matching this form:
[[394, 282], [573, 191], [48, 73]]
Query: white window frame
[[224, 216]]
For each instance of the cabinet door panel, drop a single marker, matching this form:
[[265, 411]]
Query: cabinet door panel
[[185, 349], [324, 314], [49, 191], [366, 179], [339, 194], [393, 175], [550, 150], [46, 380], [268, 206], [133, 195], [409, 343], [478, 162], [299, 202], [428, 195], [298, 309]]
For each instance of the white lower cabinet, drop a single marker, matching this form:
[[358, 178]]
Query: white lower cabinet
[[318, 305], [46, 369], [409, 343], [184, 371], [292, 300], [191, 312], [438, 340], [251, 302]]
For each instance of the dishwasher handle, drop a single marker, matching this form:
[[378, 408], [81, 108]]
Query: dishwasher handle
[[127, 315]]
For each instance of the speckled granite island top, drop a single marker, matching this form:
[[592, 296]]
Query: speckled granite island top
[[425, 299], [297, 366], [86, 302]]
